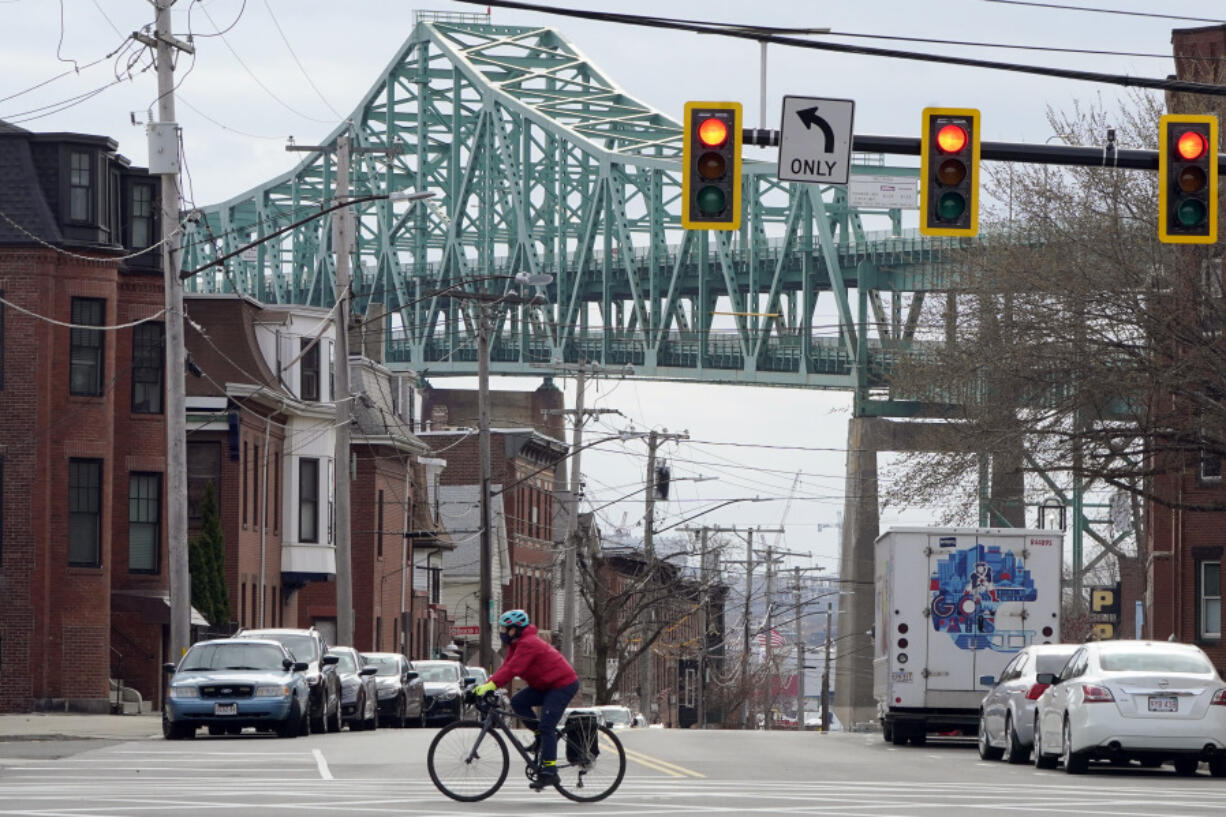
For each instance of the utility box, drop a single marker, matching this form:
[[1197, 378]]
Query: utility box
[[953, 606], [163, 147]]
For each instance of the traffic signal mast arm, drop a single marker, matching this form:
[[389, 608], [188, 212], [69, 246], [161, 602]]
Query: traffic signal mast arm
[[1070, 155]]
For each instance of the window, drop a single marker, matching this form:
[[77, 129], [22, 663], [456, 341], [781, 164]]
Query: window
[[1210, 600], [203, 468], [80, 187], [148, 363], [144, 522], [379, 526], [309, 370], [142, 216], [85, 347], [85, 513], [308, 500], [1210, 466]]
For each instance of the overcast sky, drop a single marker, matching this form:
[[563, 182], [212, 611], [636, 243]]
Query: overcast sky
[[246, 92]]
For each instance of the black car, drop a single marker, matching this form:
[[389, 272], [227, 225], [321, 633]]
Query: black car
[[325, 685], [401, 692], [359, 695], [444, 692]]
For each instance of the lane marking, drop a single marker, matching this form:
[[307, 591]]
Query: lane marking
[[661, 765], [324, 772]]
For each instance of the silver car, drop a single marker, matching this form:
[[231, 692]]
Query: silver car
[[1006, 717]]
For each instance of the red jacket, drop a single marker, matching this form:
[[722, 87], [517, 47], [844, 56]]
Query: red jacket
[[539, 664]]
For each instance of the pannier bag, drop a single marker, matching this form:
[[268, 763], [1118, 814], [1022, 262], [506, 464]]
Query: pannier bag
[[582, 733]]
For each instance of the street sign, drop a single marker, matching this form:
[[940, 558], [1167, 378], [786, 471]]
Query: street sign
[[883, 192], [815, 140], [466, 629]]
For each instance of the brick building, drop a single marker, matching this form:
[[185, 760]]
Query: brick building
[[82, 437], [1185, 547]]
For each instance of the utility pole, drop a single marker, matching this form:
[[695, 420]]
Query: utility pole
[[648, 677], [800, 650], [826, 677], [164, 161], [703, 601], [745, 642], [576, 488], [485, 598], [341, 237], [771, 675]]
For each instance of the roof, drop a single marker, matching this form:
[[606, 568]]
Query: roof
[[228, 352], [373, 415], [21, 194]]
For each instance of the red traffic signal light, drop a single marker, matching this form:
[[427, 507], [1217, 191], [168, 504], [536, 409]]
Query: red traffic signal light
[[1187, 179], [949, 172], [711, 166]]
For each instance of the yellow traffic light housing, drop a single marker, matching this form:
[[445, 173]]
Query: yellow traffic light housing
[[1187, 179], [711, 166], [949, 172]]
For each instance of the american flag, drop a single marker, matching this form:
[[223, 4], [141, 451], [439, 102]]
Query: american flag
[[776, 639]]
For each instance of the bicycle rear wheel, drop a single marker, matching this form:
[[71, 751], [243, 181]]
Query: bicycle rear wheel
[[590, 776], [462, 773]]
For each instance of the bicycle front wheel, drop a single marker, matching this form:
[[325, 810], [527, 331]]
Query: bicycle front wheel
[[590, 767], [465, 764]]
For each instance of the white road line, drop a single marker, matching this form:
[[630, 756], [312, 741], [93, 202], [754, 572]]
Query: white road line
[[324, 772]]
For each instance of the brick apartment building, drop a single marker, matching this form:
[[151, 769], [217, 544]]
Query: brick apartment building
[[82, 436], [525, 451], [1185, 548]]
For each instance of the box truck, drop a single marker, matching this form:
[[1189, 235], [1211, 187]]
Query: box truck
[[953, 606]]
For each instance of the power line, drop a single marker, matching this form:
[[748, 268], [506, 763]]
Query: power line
[[1106, 11], [301, 67], [1011, 46], [762, 35]]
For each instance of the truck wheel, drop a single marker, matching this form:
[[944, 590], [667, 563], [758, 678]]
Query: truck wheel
[[887, 732], [899, 735]]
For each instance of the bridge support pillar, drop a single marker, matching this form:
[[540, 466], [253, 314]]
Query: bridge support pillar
[[853, 698]]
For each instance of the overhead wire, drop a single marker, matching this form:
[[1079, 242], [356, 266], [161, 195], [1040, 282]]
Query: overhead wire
[[1152, 15], [297, 61]]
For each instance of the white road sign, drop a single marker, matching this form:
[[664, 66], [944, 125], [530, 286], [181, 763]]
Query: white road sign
[[815, 140], [883, 192]]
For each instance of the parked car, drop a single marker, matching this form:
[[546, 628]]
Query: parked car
[[442, 682], [1006, 718], [617, 717], [1151, 701], [230, 684], [309, 646], [480, 676], [359, 692], [399, 686], [639, 719]]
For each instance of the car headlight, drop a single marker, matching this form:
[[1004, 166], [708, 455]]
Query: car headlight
[[447, 695], [184, 692], [271, 691]]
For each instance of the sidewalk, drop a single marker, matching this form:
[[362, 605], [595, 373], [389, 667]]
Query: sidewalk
[[69, 726]]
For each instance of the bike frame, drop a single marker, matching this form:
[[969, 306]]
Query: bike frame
[[495, 718]]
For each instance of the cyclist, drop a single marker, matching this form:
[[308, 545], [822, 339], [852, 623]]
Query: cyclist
[[551, 680]]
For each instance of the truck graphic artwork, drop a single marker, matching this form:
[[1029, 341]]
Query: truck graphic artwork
[[969, 586]]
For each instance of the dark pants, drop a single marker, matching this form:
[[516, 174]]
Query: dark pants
[[552, 703]]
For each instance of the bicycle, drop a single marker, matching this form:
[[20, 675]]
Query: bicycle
[[468, 759]]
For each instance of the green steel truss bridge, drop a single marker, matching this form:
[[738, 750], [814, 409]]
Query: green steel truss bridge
[[541, 163]]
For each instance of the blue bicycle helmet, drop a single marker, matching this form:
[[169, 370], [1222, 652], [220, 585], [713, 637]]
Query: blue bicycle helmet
[[513, 618]]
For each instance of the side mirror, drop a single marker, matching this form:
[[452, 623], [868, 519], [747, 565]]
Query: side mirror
[[411, 675], [368, 670], [987, 680], [168, 668], [329, 660], [301, 666], [468, 681], [287, 663], [1049, 678]]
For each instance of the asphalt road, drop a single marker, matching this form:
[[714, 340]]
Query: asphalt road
[[668, 773]]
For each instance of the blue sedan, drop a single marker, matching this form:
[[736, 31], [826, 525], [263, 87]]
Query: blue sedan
[[229, 684]]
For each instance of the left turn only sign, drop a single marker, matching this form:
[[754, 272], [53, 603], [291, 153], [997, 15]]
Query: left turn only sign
[[815, 140]]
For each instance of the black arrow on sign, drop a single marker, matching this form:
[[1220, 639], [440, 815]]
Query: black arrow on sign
[[810, 118]]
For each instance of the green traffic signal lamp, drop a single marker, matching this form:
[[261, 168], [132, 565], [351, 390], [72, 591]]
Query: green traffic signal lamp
[[711, 166], [949, 172], [1187, 179]]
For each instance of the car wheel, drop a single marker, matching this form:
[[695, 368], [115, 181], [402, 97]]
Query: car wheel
[[1186, 766], [986, 750], [1074, 762], [292, 725], [1041, 760], [1015, 752], [304, 725], [402, 719], [1217, 766], [176, 731], [373, 723], [422, 721]]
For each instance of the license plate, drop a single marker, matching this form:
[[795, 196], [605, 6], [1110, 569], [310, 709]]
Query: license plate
[[1163, 703], [232, 709]]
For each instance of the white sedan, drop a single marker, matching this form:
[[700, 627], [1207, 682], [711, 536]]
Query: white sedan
[[1151, 701]]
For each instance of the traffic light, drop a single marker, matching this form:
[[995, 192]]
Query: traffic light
[[1187, 179], [711, 169], [949, 172]]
